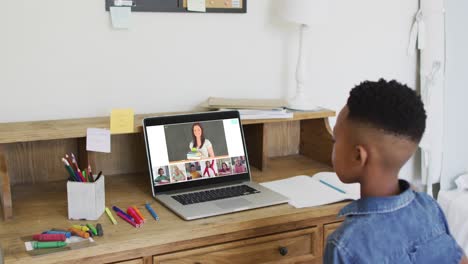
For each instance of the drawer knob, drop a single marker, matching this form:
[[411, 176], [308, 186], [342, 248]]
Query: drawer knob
[[283, 251]]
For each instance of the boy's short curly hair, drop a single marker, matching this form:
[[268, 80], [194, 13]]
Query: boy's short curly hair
[[391, 106]]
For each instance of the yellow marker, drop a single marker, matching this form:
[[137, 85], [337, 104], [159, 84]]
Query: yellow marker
[[138, 213], [82, 228], [122, 121], [111, 217]]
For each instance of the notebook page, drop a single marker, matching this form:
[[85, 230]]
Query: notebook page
[[353, 190], [303, 191]]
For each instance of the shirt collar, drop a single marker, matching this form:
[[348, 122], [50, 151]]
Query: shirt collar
[[376, 205]]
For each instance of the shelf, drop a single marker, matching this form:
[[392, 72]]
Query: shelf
[[48, 209], [76, 128]]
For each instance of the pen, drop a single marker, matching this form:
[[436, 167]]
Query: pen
[[152, 212], [331, 186]]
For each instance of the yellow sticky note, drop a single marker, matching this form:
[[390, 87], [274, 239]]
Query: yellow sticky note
[[122, 121]]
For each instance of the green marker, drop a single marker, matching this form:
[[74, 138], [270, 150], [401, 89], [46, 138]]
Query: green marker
[[54, 244], [92, 228]]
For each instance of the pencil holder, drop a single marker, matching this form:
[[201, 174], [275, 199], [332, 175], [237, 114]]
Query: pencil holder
[[86, 200]]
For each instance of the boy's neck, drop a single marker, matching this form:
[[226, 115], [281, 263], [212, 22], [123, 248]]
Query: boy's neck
[[380, 185]]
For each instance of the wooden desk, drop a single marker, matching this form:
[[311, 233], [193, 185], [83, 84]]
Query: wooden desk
[[32, 183], [243, 237]]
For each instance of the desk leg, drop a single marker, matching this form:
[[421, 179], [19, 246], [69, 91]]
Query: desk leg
[[5, 188], [316, 140], [256, 141]]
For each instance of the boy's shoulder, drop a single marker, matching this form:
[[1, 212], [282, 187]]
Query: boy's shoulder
[[377, 225]]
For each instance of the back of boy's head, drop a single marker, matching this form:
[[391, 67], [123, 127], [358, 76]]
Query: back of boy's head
[[390, 107]]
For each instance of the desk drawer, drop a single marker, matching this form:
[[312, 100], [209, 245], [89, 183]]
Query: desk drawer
[[301, 246], [328, 229]]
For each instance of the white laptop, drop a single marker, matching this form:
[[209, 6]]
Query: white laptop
[[199, 167]]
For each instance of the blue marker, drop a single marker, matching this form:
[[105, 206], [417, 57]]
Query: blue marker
[[331, 186], [152, 212], [115, 208]]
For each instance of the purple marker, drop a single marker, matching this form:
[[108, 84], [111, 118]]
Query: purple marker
[[116, 209]]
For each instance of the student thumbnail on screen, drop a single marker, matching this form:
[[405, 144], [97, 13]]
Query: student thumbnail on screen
[[224, 167], [161, 175]]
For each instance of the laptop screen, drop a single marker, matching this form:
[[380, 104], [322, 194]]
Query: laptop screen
[[195, 151]]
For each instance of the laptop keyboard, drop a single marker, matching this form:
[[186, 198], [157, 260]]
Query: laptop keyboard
[[215, 194]]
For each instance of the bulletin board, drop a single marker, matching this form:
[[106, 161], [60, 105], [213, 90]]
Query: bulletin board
[[212, 6]]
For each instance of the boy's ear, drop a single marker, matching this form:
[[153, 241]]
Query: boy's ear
[[361, 155]]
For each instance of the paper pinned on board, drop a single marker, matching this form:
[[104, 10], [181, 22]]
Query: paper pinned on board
[[196, 5], [122, 121], [98, 139], [306, 191], [120, 16]]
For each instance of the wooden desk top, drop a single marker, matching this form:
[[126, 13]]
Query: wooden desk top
[[48, 209], [76, 128]]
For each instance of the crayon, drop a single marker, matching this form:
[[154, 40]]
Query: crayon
[[66, 233], [80, 227], [100, 231], [79, 232], [55, 244], [92, 229], [49, 237]]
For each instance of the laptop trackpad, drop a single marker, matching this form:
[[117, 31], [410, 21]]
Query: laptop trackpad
[[233, 203]]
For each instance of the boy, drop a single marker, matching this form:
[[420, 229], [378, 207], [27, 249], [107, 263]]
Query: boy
[[375, 135]]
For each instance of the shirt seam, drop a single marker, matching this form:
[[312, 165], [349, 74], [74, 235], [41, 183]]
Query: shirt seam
[[380, 211]]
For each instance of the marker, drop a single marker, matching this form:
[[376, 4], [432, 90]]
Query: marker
[[111, 217], [139, 213], [56, 244], [132, 213], [117, 210], [128, 220], [152, 212], [331, 186], [92, 228]]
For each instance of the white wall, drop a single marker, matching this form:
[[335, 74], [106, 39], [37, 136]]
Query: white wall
[[456, 93], [61, 59]]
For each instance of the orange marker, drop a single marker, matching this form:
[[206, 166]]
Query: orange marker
[[138, 213], [78, 232]]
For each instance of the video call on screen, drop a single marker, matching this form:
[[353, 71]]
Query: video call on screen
[[195, 151]]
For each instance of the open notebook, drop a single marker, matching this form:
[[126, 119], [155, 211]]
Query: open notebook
[[319, 189]]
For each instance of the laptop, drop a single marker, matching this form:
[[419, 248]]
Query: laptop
[[199, 167]]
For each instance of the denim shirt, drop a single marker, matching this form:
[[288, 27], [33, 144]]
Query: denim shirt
[[406, 228]]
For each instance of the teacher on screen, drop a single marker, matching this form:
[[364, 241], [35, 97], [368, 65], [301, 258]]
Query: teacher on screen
[[199, 142]]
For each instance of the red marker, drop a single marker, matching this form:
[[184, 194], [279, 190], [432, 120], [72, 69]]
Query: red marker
[[135, 216]]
